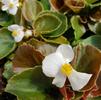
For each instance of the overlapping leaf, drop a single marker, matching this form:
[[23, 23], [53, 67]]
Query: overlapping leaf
[[52, 24], [43, 47], [26, 56]]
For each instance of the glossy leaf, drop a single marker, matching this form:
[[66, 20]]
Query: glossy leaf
[[25, 57], [92, 57], [32, 84], [30, 9], [7, 43], [79, 29], [93, 40]]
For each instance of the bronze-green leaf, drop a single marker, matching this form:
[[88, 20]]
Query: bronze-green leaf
[[25, 57], [87, 59]]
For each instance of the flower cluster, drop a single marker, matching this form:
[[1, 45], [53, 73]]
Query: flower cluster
[[50, 48]]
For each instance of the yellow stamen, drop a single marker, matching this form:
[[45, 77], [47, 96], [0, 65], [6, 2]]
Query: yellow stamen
[[11, 5], [66, 69], [14, 33]]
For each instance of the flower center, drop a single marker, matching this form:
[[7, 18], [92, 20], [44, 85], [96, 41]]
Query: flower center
[[11, 5], [14, 33], [66, 69]]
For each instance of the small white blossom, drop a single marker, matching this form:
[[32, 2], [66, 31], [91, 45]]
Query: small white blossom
[[17, 32], [10, 5], [28, 33], [58, 65]]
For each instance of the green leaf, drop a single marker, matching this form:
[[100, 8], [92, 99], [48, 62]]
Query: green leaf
[[59, 28], [8, 70], [92, 56], [63, 27], [32, 84], [5, 19], [58, 40], [46, 23], [30, 9], [79, 29], [93, 40], [7, 43]]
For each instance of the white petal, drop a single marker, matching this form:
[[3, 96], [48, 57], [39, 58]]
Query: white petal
[[19, 37], [78, 80], [6, 2], [15, 27], [51, 64], [59, 80], [4, 8], [16, 1], [28, 33], [13, 10], [66, 51]]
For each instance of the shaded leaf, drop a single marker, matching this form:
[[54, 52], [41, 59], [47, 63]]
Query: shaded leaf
[[93, 40], [5, 19], [26, 56], [92, 57], [79, 29], [30, 9], [32, 84], [7, 43], [96, 15]]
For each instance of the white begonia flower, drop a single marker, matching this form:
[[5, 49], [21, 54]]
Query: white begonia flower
[[58, 65], [17, 32], [10, 5], [28, 33]]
